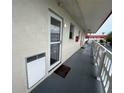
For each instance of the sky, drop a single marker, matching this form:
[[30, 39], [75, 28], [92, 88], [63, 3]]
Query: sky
[[106, 27]]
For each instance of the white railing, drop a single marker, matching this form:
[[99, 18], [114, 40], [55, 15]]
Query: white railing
[[103, 59]]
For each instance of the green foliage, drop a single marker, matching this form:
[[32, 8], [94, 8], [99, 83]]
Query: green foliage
[[109, 37], [101, 41]]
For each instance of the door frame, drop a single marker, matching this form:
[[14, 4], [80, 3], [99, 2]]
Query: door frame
[[59, 18]]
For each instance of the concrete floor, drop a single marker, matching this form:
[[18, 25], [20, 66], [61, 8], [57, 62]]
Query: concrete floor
[[79, 80]]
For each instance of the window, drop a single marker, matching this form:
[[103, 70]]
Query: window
[[55, 30], [54, 53], [71, 33]]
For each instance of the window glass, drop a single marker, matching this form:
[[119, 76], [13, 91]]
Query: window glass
[[54, 53], [55, 30], [71, 34]]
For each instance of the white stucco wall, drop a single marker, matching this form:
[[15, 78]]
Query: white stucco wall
[[30, 36]]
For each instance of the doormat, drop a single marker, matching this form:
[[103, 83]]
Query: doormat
[[63, 71]]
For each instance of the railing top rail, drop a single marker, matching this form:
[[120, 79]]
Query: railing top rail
[[103, 47]]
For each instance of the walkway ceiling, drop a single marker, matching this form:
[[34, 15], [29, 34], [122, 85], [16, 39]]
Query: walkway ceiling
[[88, 14]]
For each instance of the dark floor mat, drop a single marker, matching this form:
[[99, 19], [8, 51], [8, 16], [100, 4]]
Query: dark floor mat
[[63, 71]]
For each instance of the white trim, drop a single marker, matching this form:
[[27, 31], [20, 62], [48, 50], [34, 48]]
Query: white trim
[[55, 16], [49, 41], [55, 42], [104, 48], [53, 65]]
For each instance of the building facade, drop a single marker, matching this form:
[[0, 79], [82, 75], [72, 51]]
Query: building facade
[[44, 33]]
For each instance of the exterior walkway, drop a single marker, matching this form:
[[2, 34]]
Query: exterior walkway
[[79, 79]]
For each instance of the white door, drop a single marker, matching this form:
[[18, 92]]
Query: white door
[[55, 34]]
